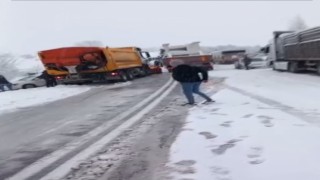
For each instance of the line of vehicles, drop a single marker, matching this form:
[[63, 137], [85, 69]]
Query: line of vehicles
[[236, 57], [91, 64], [295, 51], [82, 65], [287, 51]]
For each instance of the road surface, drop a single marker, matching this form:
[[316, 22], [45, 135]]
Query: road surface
[[34, 132], [126, 133]]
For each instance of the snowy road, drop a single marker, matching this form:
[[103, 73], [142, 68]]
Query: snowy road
[[265, 125], [30, 133]]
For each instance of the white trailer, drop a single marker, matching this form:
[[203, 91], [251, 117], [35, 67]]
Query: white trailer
[[295, 51]]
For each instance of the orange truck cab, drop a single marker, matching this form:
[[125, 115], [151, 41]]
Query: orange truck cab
[[88, 64]]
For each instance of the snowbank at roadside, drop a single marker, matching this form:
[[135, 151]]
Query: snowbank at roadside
[[13, 100]]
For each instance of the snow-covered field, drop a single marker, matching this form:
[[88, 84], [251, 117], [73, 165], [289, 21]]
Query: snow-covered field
[[258, 129], [13, 100]]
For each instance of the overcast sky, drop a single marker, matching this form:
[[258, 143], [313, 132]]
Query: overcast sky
[[27, 27]]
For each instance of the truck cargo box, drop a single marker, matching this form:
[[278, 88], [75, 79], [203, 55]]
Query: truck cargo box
[[91, 62], [204, 61]]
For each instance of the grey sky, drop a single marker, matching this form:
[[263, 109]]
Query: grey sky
[[27, 27]]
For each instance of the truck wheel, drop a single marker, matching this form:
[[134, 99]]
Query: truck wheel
[[143, 72], [293, 67], [318, 68], [123, 77], [130, 76]]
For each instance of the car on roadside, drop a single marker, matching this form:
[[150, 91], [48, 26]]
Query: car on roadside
[[28, 82], [258, 61]]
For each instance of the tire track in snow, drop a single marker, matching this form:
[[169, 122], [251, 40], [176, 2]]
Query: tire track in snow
[[285, 108]]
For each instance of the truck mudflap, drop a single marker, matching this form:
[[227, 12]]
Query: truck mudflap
[[283, 66]]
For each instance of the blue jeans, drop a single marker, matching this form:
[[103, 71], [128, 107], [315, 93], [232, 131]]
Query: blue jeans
[[194, 87]]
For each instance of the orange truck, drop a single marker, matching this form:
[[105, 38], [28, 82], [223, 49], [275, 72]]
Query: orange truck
[[91, 64]]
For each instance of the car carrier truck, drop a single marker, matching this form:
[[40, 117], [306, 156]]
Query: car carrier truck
[[90, 64], [295, 51]]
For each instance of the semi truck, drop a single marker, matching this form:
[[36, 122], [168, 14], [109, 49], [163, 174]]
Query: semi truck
[[295, 51], [92, 64]]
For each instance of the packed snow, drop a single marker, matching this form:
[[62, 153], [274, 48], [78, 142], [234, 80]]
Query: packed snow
[[244, 136], [13, 100], [299, 91]]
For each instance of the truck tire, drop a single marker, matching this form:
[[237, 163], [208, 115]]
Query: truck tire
[[143, 72], [318, 68], [130, 75], [293, 67], [123, 76]]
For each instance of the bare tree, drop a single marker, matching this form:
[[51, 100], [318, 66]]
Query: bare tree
[[297, 24], [89, 43]]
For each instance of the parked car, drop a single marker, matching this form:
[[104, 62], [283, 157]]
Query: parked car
[[28, 82], [258, 61]]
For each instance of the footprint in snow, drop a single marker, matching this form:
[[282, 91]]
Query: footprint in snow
[[221, 173], [254, 155], [185, 167], [186, 163], [208, 135], [247, 116], [226, 124], [265, 117], [224, 147], [266, 121]]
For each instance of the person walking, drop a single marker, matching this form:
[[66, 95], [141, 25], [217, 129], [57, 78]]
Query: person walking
[[190, 80], [246, 61], [50, 80]]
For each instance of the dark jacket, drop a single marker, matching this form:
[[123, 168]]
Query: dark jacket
[[186, 73], [247, 60], [3, 80], [46, 76]]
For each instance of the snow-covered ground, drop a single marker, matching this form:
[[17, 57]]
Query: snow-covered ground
[[13, 100], [258, 129], [298, 91]]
